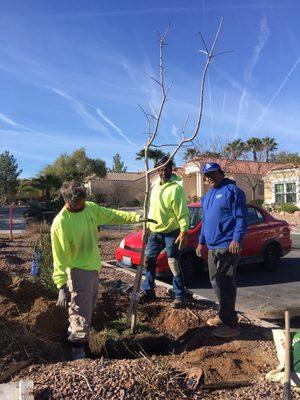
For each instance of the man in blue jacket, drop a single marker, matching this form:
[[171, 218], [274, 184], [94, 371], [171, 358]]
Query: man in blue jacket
[[224, 224]]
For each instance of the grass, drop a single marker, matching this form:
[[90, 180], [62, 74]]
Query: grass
[[118, 330]]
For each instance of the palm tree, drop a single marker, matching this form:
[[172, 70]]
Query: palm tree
[[45, 183], [235, 149], [254, 145], [191, 153], [153, 154], [269, 145]]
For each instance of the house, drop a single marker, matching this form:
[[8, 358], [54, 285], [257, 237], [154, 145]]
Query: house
[[122, 188], [282, 185], [247, 174], [259, 180]]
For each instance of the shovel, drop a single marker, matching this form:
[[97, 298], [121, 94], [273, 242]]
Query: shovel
[[287, 365]]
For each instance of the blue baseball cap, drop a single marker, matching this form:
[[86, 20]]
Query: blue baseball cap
[[210, 167]]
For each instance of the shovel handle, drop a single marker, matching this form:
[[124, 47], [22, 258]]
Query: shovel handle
[[287, 366]]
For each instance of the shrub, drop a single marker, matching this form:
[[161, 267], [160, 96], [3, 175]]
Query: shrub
[[194, 199], [43, 211], [257, 202], [99, 198], [35, 229], [43, 250], [288, 207], [274, 207], [134, 203]]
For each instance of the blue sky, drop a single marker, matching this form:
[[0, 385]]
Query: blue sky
[[72, 74]]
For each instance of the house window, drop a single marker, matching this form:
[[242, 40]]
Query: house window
[[285, 192], [291, 192]]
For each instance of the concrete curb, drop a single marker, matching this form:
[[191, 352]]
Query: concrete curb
[[261, 322]]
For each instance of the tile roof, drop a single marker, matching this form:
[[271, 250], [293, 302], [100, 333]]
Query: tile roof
[[239, 166], [120, 176]]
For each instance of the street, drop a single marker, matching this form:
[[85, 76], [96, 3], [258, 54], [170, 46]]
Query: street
[[265, 294], [19, 222]]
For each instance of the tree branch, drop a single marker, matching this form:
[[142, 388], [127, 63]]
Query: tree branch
[[132, 312]]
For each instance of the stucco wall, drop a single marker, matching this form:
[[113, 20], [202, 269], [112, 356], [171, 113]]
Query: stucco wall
[[130, 190], [282, 176], [189, 185]]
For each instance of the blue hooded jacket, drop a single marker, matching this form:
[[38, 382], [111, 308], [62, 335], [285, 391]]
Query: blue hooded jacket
[[224, 216]]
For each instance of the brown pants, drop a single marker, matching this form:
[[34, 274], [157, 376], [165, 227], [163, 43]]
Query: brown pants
[[83, 287]]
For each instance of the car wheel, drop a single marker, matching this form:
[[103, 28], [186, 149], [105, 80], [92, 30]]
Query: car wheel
[[191, 266], [271, 257]]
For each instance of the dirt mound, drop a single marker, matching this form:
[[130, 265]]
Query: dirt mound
[[31, 326], [172, 322], [110, 305], [46, 320], [18, 344], [237, 360], [25, 291]]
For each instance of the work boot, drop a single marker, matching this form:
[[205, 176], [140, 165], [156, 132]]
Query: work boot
[[178, 303], [147, 296], [78, 353], [214, 321], [225, 331], [188, 293]]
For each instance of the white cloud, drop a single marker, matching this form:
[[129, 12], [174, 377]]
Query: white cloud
[[266, 108], [107, 120], [13, 123], [175, 131], [263, 36], [242, 98], [8, 121], [80, 108]]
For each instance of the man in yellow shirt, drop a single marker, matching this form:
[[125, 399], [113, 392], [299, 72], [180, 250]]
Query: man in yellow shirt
[[169, 208], [76, 257]]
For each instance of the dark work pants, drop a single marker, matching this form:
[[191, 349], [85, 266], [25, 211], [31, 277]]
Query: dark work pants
[[222, 267]]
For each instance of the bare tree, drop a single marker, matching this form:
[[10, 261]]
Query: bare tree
[[153, 122], [209, 151], [252, 173]]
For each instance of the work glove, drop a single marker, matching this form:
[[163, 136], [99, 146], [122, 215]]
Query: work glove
[[199, 250], [182, 240], [63, 297], [148, 220]]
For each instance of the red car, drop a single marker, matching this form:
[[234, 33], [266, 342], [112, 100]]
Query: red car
[[266, 240]]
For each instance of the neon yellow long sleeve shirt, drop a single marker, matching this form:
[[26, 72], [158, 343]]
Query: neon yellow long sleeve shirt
[[74, 238], [168, 206]]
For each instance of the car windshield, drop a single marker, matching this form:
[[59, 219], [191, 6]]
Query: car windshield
[[195, 216]]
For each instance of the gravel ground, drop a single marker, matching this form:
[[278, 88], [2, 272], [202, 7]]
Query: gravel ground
[[147, 377], [133, 380]]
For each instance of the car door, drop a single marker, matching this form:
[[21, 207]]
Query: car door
[[257, 233]]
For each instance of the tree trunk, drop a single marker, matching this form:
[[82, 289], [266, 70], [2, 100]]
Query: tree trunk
[[253, 193]]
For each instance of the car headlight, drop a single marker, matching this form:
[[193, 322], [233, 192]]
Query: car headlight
[[122, 244]]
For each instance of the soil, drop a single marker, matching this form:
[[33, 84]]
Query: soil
[[153, 364]]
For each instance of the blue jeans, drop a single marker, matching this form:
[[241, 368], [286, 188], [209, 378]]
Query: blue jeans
[[156, 243]]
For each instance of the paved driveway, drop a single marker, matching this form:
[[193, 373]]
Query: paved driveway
[[266, 294], [19, 222]]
